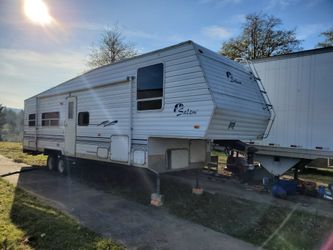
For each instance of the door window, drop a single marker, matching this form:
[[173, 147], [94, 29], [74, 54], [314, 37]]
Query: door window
[[70, 110]]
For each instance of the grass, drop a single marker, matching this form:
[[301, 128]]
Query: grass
[[319, 175], [222, 156], [322, 176], [26, 223], [13, 150], [247, 220]]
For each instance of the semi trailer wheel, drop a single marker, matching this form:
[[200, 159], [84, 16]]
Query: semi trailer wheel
[[63, 166], [52, 161]]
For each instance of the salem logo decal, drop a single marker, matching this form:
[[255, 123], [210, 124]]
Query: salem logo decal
[[180, 110], [231, 78]]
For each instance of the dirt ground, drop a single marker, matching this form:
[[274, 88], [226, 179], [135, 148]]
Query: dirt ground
[[130, 223]]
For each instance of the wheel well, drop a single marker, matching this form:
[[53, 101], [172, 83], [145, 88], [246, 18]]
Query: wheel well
[[51, 152]]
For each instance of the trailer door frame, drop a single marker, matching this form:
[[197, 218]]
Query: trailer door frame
[[70, 126]]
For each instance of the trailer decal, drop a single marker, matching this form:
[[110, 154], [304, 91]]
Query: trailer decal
[[180, 110], [232, 78], [107, 123]]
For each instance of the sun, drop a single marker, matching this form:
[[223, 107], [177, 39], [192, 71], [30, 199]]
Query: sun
[[37, 12]]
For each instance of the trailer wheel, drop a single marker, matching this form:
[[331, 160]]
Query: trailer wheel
[[52, 161], [62, 166]]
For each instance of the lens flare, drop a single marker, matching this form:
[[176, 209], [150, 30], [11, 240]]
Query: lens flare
[[37, 12]]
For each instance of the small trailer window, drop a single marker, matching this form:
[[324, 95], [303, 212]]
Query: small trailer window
[[32, 120], [50, 119], [150, 87], [83, 118]]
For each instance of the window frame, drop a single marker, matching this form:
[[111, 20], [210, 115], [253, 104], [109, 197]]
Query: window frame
[[32, 120], [70, 110], [152, 98], [50, 119], [78, 119]]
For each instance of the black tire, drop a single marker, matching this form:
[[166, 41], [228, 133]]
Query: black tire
[[62, 166], [52, 162]]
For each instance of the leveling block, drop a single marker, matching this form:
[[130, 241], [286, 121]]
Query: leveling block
[[197, 190], [156, 200]]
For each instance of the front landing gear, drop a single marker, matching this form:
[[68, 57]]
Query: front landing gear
[[197, 189], [156, 199]]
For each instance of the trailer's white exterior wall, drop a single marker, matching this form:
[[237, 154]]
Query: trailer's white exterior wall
[[194, 110], [300, 87], [240, 104]]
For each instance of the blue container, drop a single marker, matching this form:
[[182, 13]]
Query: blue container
[[321, 190], [279, 192], [290, 186]]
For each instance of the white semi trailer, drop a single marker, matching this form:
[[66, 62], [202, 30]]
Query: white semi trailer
[[300, 87]]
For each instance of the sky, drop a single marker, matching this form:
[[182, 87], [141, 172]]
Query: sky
[[35, 56]]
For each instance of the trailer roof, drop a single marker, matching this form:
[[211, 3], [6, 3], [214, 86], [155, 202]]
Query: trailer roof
[[121, 61], [141, 55], [296, 54]]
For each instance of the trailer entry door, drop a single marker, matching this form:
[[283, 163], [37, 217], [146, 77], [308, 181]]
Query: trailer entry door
[[70, 127]]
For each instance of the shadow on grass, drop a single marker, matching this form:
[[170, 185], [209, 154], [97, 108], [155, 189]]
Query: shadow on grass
[[44, 227], [247, 220], [250, 221]]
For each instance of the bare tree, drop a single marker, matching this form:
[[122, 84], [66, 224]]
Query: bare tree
[[261, 38], [328, 39], [112, 47]]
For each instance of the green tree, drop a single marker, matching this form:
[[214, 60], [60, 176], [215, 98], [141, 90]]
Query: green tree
[[112, 47], [260, 38], [10, 116], [328, 39], [11, 124]]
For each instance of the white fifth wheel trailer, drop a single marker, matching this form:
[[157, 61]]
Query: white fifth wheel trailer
[[159, 110], [300, 87]]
